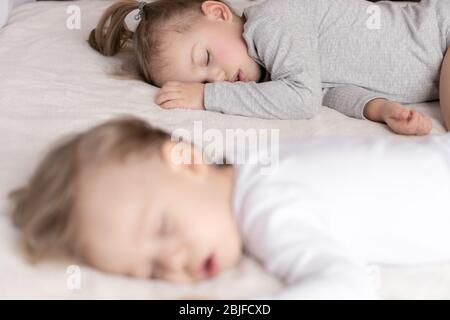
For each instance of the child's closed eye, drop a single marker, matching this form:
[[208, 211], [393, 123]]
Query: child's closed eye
[[207, 57]]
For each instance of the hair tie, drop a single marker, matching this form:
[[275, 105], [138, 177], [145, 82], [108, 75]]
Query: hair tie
[[140, 14]]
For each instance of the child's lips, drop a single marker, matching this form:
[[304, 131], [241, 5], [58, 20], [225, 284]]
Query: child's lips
[[210, 267], [235, 77], [239, 76]]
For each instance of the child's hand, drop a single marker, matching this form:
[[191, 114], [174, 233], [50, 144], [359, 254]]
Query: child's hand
[[405, 121], [176, 94]]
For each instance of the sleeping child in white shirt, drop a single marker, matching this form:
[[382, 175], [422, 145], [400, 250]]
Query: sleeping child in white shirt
[[117, 197]]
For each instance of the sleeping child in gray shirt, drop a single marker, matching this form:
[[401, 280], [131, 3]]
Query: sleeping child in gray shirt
[[284, 59]]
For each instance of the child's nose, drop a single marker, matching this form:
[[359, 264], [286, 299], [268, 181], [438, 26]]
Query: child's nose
[[175, 258]]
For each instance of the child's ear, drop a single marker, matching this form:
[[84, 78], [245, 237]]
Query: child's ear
[[217, 10], [181, 156]]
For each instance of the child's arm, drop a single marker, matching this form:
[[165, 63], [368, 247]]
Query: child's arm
[[444, 89], [349, 100], [400, 119], [293, 244], [361, 103]]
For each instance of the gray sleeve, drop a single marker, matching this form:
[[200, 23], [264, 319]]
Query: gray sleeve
[[295, 91], [349, 100]]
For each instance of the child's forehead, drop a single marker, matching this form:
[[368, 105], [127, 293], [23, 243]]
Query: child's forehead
[[197, 30], [108, 180], [111, 197]]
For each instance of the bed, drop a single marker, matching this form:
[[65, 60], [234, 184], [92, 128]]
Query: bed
[[53, 83]]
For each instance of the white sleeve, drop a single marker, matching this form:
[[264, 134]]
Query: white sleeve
[[292, 243]]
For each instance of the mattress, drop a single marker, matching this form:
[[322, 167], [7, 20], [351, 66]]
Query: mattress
[[52, 83]]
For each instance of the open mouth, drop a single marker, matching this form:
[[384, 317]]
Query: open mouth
[[211, 266]]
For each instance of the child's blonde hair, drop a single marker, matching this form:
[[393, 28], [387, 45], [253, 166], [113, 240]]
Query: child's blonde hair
[[43, 209], [159, 17]]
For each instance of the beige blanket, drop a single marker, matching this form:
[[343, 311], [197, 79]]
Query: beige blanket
[[52, 83]]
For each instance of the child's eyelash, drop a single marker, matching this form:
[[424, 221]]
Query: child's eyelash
[[156, 270], [207, 62]]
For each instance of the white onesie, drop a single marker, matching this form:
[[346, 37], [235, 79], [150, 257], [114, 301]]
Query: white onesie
[[335, 205]]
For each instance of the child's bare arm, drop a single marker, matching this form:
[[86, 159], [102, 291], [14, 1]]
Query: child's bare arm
[[444, 90], [401, 120]]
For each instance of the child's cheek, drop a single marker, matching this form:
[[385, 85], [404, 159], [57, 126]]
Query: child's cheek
[[229, 53]]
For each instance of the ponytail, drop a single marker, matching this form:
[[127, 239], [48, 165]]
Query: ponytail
[[109, 39]]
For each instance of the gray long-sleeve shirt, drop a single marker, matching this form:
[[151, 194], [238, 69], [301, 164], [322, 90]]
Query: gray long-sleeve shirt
[[337, 53]]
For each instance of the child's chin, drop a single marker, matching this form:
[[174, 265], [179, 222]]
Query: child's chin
[[181, 280]]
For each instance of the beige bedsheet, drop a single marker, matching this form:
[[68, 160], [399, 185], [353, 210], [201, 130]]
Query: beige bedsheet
[[52, 83]]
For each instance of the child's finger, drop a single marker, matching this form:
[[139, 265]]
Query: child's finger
[[177, 103], [172, 84], [166, 96], [400, 113], [421, 130], [404, 126], [424, 122], [425, 125], [169, 89], [414, 123]]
